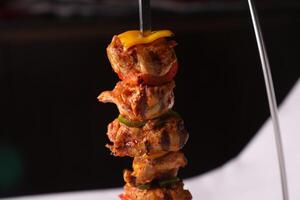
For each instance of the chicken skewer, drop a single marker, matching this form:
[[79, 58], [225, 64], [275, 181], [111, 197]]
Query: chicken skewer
[[147, 129]]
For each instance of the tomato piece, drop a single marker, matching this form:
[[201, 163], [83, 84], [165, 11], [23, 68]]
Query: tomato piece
[[120, 75], [159, 80], [123, 197]]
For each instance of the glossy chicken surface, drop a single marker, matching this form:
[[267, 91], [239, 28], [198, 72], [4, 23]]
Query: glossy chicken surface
[[147, 128], [157, 136], [155, 58], [140, 102], [173, 192], [147, 169]]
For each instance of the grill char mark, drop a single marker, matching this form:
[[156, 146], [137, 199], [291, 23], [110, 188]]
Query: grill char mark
[[183, 136], [165, 141], [148, 146]]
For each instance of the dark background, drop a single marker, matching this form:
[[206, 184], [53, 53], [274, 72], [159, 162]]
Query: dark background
[[53, 66]]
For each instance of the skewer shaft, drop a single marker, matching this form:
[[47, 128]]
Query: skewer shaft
[[271, 98], [145, 16]]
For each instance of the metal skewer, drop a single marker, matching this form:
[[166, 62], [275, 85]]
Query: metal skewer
[[271, 98], [145, 16]]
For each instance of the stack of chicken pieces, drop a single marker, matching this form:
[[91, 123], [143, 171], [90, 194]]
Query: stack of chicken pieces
[[147, 128]]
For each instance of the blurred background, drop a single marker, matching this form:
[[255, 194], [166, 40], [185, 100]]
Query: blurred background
[[53, 65]]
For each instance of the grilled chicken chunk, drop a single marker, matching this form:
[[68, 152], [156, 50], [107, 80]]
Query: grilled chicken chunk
[[156, 137], [140, 102], [173, 192], [155, 58], [147, 169]]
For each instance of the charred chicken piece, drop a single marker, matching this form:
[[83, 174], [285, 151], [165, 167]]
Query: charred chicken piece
[[173, 192], [140, 102], [155, 60], [147, 169], [156, 137]]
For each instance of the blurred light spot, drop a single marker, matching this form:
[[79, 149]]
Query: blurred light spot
[[10, 168]]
